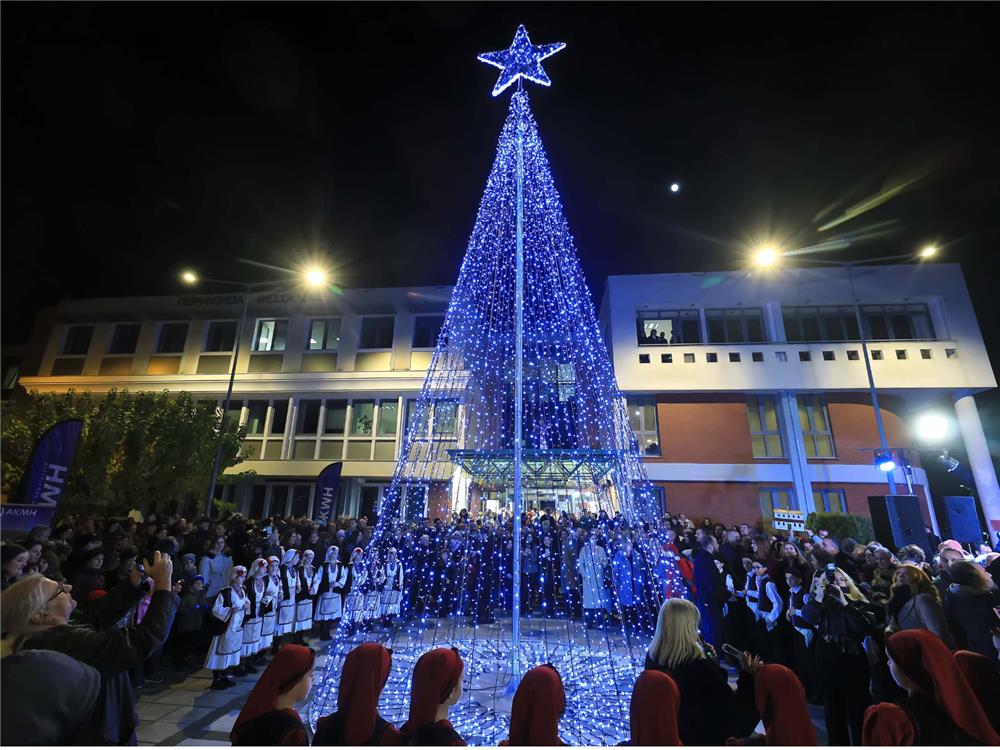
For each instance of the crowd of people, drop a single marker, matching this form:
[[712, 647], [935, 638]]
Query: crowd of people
[[117, 598]]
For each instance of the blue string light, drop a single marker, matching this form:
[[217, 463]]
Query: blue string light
[[580, 450]]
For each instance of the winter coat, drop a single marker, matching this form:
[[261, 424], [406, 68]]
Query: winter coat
[[591, 564]]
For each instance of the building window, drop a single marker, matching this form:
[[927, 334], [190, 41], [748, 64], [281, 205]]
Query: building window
[[279, 417], [830, 501], [734, 356], [688, 359], [815, 421], [445, 417], [642, 418], [221, 336], [324, 334], [336, 418], [643, 359], [388, 416], [125, 338], [765, 435], [78, 339], [712, 357], [270, 335], [757, 356], [308, 417], [425, 331], [362, 417], [376, 332], [659, 498], [256, 417], [852, 354], [809, 324], [772, 499], [172, 338], [897, 322], [666, 359], [414, 427], [735, 325], [666, 327]]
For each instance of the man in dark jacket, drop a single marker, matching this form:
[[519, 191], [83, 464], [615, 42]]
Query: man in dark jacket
[[94, 639], [710, 591]]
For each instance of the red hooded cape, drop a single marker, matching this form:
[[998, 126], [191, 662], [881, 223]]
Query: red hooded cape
[[365, 672], [924, 658], [434, 678], [289, 666], [984, 679], [653, 713], [538, 703], [781, 703]]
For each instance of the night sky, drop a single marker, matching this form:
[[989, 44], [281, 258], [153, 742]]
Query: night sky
[[139, 139]]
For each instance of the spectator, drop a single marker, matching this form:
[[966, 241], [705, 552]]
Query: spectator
[[48, 699], [13, 558], [710, 590], [356, 720], [718, 713], [36, 614], [538, 704], [653, 711], [939, 707], [269, 716], [970, 601], [215, 568], [844, 619], [781, 702], [190, 620], [914, 603], [90, 576], [946, 556], [437, 686]]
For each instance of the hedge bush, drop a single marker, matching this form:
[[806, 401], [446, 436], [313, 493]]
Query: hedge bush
[[841, 525]]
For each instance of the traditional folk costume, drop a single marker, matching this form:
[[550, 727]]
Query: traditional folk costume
[[354, 605], [309, 579], [288, 594], [230, 607], [261, 723], [435, 677], [538, 703], [272, 591], [259, 602], [653, 710], [390, 586], [329, 604]]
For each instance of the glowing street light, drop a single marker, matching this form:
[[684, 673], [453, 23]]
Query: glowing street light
[[315, 277], [765, 257], [675, 187], [189, 277], [932, 428], [928, 251]]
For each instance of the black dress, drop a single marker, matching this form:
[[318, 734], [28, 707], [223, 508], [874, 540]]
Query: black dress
[[436, 733], [710, 712], [278, 727], [330, 731]]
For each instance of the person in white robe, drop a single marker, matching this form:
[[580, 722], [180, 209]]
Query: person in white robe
[[272, 592], [227, 617], [308, 589], [329, 605], [288, 593], [256, 589], [357, 587], [591, 565], [390, 585]]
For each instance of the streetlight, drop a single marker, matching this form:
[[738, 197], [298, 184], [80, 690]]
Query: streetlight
[[766, 257], [313, 277]]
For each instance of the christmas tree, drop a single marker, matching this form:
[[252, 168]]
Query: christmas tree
[[519, 414]]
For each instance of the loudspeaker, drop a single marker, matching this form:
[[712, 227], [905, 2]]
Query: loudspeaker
[[898, 521], [958, 518]]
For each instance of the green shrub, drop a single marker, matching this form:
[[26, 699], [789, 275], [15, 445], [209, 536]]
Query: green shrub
[[841, 525]]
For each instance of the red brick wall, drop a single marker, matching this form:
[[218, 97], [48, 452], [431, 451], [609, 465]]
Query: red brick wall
[[439, 501], [854, 427], [726, 502]]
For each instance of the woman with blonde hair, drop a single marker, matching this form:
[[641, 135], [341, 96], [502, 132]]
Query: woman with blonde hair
[[915, 603], [710, 711]]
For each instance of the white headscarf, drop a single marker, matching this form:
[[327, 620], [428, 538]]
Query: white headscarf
[[331, 554], [289, 556]]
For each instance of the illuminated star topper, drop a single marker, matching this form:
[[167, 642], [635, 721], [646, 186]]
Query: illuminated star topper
[[522, 60]]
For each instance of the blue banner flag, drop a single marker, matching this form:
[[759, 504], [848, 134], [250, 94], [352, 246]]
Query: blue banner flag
[[327, 484], [25, 517], [45, 480]]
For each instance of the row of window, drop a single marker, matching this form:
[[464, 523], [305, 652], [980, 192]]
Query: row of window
[[270, 335], [764, 422], [853, 355], [745, 325]]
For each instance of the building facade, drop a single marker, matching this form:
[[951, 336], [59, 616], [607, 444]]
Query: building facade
[[746, 393]]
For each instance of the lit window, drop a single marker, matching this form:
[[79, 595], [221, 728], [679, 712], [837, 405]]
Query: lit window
[[765, 434], [642, 418], [814, 419], [445, 417], [830, 501], [362, 418], [666, 327], [270, 336], [324, 334], [772, 499], [388, 413]]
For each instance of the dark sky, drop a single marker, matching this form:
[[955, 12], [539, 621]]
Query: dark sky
[[142, 138]]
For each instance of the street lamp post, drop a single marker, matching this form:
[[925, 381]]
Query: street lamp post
[[768, 256], [313, 277]]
